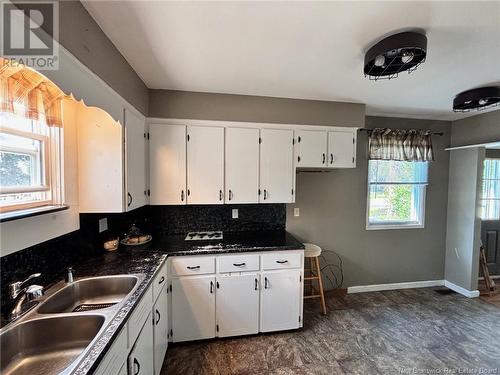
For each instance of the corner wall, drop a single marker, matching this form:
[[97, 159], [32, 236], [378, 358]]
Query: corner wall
[[463, 227]]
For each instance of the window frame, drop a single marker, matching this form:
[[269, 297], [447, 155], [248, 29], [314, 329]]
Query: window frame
[[483, 200], [394, 224], [51, 176]]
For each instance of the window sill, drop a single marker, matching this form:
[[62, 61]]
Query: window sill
[[394, 226], [22, 214]]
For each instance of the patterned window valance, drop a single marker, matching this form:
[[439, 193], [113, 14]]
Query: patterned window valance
[[27, 93], [399, 144]]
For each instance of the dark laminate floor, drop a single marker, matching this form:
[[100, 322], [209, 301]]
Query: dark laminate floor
[[370, 333]]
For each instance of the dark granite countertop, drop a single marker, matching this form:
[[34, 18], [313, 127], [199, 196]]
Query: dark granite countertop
[[148, 261], [233, 242], [120, 262]]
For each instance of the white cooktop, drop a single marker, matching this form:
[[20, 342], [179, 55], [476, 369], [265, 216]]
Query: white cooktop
[[204, 236]]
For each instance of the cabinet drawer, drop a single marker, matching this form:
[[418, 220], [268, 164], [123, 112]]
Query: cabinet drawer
[[159, 281], [139, 316], [239, 263], [116, 356], [281, 260], [183, 266]]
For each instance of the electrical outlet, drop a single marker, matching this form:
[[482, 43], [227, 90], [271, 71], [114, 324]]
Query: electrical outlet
[[296, 211], [103, 224], [235, 213]]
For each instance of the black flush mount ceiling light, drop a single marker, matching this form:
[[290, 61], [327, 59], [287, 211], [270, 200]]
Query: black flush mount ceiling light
[[394, 54], [477, 99]]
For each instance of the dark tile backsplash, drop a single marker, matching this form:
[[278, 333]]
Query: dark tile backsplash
[[52, 257], [169, 220]]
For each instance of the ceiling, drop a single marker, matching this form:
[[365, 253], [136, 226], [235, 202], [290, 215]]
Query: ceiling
[[307, 50]]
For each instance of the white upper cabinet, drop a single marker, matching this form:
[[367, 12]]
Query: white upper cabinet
[[242, 165], [205, 165], [342, 149], [135, 146], [311, 149], [276, 166], [167, 164]]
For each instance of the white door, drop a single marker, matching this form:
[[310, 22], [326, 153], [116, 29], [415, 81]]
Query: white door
[[242, 165], [193, 308], [311, 149], [135, 145], [237, 305], [160, 321], [167, 164], [341, 149], [276, 166], [140, 359], [280, 300], [205, 165]]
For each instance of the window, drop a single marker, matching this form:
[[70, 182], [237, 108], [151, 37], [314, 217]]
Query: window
[[29, 163], [490, 195], [396, 194]]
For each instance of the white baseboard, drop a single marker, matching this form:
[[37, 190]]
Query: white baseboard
[[462, 291], [395, 286]]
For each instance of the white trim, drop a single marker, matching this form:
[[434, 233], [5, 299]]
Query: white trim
[[489, 144], [394, 286], [246, 124], [462, 291]]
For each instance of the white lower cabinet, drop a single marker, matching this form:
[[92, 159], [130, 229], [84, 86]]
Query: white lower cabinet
[[193, 308], [141, 345], [141, 358], [237, 305], [280, 300], [239, 297], [160, 330]]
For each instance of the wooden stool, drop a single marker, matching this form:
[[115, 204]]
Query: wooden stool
[[312, 253]]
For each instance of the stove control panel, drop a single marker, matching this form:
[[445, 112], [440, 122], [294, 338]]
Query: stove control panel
[[204, 236]]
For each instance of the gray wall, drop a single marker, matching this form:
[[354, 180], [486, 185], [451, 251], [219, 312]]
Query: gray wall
[[80, 35], [463, 230], [333, 215], [476, 129], [209, 106]]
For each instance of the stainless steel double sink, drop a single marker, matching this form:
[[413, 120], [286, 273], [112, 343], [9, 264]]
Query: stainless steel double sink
[[56, 335]]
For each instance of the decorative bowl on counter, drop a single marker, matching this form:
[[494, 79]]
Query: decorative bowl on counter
[[136, 240]]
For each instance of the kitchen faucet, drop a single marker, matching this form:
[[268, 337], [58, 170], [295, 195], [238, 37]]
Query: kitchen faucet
[[24, 298]]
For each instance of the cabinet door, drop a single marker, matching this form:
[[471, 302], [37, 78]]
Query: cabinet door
[[276, 166], [193, 308], [205, 165], [242, 165], [160, 321], [341, 149], [100, 161], [167, 164], [311, 149], [280, 300], [135, 145], [140, 360], [238, 305]]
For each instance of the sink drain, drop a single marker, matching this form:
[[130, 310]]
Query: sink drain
[[92, 306]]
